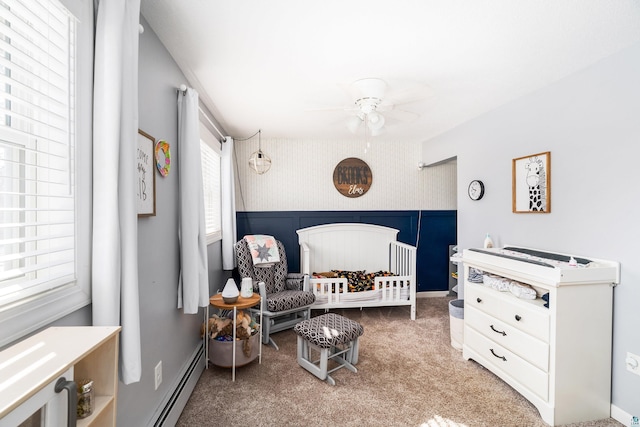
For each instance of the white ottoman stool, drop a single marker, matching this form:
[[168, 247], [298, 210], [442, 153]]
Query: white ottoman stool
[[335, 337]]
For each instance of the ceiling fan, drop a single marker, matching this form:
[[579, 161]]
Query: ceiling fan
[[372, 104]]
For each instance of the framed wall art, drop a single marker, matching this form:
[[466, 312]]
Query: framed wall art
[[531, 183], [352, 177], [146, 178]]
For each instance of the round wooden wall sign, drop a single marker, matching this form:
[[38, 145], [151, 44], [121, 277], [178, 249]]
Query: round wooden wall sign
[[352, 177]]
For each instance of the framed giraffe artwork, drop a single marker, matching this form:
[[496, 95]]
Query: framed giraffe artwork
[[531, 183]]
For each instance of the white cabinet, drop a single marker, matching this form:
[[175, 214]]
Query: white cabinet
[[559, 357], [30, 369]]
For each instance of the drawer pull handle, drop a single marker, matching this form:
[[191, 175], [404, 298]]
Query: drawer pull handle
[[518, 317], [72, 398], [479, 299], [499, 357], [497, 331]]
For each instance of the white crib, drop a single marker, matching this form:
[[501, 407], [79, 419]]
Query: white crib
[[354, 246]]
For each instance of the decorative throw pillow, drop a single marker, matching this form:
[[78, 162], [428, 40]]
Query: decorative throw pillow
[[354, 278], [380, 273], [325, 275]]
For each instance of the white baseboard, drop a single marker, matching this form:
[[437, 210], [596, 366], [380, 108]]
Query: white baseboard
[[431, 294], [622, 416], [176, 398]]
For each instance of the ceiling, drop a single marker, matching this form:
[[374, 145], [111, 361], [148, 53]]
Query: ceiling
[[282, 66]]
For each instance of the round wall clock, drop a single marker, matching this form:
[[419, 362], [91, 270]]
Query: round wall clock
[[163, 157], [476, 190]]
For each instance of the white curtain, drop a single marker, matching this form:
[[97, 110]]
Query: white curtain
[[227, 179], [193, 285], [115, 219]]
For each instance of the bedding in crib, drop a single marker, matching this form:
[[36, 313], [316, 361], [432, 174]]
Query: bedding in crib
[[357, 281]]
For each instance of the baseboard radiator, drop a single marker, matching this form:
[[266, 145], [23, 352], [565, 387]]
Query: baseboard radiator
[[176, 399]]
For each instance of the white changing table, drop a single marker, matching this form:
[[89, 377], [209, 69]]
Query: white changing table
[[559, 357]]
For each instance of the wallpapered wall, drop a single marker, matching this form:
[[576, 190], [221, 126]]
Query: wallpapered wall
[[301, 177]]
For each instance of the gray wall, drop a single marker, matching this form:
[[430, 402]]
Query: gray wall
[[168, 335], [589, 122]]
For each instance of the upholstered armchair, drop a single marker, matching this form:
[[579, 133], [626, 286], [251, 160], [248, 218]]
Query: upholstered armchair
[[285, 297]]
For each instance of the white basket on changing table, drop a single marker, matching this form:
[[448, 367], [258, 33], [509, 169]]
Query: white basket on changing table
[[502, 284]]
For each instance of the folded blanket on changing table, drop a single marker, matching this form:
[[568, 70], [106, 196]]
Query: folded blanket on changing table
[[264, 249]]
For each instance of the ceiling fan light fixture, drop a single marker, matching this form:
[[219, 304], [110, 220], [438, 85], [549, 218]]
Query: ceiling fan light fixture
[[375, 121], [354, 123], [368, 104]]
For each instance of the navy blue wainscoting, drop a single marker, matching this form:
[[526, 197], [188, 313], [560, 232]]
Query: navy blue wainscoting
[[432, 231]]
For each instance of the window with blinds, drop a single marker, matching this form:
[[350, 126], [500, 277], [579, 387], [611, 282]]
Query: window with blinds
[[210, 158], [37, 148]]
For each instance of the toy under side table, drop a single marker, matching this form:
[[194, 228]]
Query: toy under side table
[[240, 304]]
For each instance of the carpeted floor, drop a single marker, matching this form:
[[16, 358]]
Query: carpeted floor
[[408, 375]]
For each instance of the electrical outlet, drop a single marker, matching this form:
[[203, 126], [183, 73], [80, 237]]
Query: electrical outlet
[[633, 363], [158, 374]]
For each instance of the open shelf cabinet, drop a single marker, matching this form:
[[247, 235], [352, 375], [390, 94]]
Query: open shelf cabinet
[[30, 368]]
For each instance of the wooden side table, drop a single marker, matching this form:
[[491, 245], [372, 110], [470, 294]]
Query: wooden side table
[[240, 304]]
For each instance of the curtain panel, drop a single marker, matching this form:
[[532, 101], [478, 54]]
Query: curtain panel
[[193, 284], [228, 205], [115, 296]]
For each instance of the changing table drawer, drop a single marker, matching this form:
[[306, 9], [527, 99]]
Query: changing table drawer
[[529, 348], [496, 357], [522, 314]]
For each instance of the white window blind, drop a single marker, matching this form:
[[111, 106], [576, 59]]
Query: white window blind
[[210, 158], [37, 148]]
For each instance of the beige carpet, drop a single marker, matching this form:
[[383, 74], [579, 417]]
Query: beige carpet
[[408, 375]]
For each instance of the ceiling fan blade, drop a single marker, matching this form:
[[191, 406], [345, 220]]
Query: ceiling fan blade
[[324, 109], [401, 115], [348, 109], [330, 99], [409, 94], [350, 95]]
